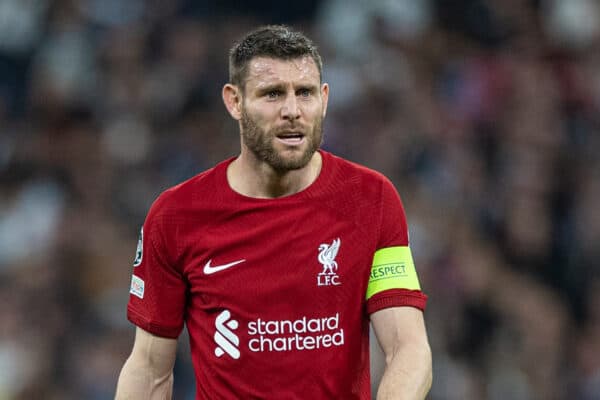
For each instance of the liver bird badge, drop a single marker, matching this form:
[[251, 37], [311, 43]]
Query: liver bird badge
[[327, 254]]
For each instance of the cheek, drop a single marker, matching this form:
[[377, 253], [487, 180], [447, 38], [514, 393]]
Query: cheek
[[314, 112], [312, 106], [260, 115]]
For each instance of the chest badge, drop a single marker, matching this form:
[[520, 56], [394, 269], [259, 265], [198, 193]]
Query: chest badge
[[327, 253]]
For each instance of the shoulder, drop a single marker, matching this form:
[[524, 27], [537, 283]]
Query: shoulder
[[357, 177], [201, 187]]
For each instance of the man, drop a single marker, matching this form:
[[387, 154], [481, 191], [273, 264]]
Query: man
[[277, 260]]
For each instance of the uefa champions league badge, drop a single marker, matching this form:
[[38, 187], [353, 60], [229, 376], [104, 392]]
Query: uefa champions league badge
[[140, 249]]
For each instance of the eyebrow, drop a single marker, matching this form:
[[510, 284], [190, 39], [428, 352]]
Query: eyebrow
[[282, 87], [270, 87]]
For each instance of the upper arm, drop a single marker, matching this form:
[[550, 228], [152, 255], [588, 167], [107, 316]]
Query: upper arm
[[158, 292], [393, 281], [408, 367], [148, 372], [396, 327], [153, 352]]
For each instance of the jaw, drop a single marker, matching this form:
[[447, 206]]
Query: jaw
[[279, 148], [279, 158]]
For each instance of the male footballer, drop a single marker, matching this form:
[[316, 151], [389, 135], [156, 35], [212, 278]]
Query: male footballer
[[278, 259]]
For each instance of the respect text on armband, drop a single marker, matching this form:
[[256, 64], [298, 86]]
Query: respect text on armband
[[388, 271]]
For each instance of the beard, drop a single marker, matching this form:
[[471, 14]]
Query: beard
[[261, 144]]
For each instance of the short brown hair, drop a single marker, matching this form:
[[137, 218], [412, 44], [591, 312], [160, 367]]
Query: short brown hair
[[273, 41]]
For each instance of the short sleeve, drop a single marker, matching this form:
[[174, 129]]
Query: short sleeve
[[393, 280], [158, 290]]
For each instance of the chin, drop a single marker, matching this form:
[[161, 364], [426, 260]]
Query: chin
[[290, 162]]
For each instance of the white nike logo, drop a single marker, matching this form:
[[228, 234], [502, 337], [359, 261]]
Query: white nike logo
[[208, 269]]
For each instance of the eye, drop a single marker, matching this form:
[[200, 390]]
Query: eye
[[304, 92], [273, 94]]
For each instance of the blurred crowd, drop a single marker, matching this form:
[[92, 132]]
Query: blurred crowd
[[484, 113]]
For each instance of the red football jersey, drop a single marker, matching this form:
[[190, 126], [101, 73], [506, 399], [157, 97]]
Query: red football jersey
[[276, 293]]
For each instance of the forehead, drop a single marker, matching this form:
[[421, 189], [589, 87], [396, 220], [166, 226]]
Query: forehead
[[263, 71]]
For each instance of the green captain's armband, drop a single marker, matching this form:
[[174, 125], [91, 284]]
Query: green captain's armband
[[393, 268]]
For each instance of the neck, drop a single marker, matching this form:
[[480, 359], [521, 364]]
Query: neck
[[253, 178]]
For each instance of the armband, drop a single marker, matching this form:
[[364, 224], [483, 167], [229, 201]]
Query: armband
[[393, 268]]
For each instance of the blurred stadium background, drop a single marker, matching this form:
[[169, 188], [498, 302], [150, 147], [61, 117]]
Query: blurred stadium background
[[484, 113]]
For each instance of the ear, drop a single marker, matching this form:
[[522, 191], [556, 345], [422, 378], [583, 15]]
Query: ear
[[232, 97], [325, 97]]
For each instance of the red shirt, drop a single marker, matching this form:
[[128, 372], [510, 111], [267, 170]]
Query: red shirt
[[273, 291]]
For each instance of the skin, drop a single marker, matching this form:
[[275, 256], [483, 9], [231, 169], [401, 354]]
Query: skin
[[148, 371], [408, 366]]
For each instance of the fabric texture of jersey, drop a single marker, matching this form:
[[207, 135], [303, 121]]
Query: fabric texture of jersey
[[272, 291]]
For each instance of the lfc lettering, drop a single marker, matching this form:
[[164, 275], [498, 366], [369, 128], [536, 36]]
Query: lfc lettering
[[327, 280]]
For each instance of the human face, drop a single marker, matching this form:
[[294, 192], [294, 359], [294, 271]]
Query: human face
[[282, 112]]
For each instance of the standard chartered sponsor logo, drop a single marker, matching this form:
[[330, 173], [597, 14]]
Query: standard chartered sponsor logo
[[227, 341], [301, 334], [278, 335]]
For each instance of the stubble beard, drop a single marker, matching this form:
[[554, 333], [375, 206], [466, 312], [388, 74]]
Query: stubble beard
[[260, 143]]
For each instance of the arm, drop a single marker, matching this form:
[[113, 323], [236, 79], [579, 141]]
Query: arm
[[402, 336], [148, 372]]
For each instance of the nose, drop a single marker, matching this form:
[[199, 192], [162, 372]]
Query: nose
[[290, 110]]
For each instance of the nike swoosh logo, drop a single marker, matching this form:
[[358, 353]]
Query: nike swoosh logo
[[208, 269]]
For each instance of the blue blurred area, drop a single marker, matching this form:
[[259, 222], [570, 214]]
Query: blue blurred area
[[485, 114]]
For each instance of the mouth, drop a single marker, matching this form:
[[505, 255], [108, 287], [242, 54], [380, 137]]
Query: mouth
[[290, 138]]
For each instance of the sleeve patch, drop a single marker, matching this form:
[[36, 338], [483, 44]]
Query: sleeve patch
[[393, 268], [139, 253], [137, 286]]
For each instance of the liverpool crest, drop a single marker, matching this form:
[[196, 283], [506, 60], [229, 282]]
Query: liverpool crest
[[327, 253]]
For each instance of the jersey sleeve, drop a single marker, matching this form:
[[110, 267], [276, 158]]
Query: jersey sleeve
[[158, 290], [393, 280]]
